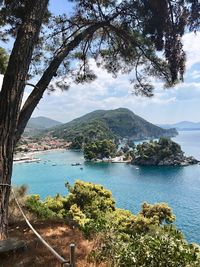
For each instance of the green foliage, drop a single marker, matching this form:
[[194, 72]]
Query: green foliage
[[156, 151], [36, 206], [160, 247], [89, 203], [151, 215], [123, 239], [92, 199], [77, 142], [78, 216], [51, 207], [99, 150], [160, 213], [57, 205], [120, 220], [80, 133], [3, 60]]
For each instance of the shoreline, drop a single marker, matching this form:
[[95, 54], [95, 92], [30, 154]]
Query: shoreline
[[31, 154]]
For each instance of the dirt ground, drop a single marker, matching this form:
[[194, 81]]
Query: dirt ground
[[58, 235]]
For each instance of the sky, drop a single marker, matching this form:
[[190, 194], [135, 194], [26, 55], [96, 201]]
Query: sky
[[181, 103]]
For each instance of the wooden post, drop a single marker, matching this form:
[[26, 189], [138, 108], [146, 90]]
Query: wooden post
[[72, 255]]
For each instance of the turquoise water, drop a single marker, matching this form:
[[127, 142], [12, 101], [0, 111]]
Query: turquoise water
[[130, 185]]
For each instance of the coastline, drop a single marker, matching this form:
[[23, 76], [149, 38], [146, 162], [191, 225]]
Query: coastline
[[30, 155]]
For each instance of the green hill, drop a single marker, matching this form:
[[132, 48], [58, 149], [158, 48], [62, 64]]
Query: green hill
[[110, 124]]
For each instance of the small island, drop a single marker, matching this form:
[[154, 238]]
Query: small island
[[163, 152], [100, 150]]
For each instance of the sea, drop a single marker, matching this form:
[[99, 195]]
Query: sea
[[130, 185]]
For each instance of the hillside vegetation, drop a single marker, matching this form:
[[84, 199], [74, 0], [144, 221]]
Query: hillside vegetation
[[110, 124], [147, 239], [99, 150], [162, 152]]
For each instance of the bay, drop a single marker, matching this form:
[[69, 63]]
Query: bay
[[130, 185]]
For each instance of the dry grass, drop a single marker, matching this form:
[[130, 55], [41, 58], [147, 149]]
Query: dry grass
[[58, 235]]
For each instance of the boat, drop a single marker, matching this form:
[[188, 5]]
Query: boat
[[76, 164]]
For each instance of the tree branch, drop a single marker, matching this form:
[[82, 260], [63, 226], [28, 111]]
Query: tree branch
[[37, 93], [18, 65], [127, 38]]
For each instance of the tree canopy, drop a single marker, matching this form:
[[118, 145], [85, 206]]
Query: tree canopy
[[99, 150], [3, 60]]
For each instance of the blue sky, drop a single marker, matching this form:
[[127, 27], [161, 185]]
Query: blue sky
[[167, 106]]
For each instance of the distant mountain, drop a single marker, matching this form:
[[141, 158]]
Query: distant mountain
[[183, 125], [110, 124], [42, 123], [38, 124]]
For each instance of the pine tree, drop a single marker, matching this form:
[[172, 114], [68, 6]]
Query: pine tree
[[119, 36]]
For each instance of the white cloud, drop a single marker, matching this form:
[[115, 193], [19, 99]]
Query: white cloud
[[104, 93], [191, 46], [168, 105]]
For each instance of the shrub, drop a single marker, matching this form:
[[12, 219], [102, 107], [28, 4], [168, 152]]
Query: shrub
[[147, 239], [161, 212], [158, 248], [92, 199], [78, 216], [34, 204]]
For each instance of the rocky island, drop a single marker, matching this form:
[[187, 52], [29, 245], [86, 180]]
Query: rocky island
[[163, 152]]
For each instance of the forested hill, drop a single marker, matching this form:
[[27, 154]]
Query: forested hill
[[110, 124]]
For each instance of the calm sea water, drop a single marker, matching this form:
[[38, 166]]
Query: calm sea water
[[130, 185]]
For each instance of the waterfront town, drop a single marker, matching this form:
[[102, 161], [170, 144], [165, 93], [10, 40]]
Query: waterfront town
[[30, 144]]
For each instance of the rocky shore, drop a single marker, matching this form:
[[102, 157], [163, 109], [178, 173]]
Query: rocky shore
[[178, 160]]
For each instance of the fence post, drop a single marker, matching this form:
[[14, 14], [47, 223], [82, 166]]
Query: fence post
[[72, 255]]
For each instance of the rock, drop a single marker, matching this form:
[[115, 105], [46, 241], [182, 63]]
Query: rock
[[192, 160], [179, 160], [184, 163], [10, 245]]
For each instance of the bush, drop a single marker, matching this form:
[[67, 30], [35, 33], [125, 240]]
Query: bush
[[160, 213], [147, 239], [34, 204], [78, 216], [159, 248], [92, 199]]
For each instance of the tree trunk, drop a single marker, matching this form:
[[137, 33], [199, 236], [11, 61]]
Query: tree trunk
[[6, 159], [36, 95], [11, 96]]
